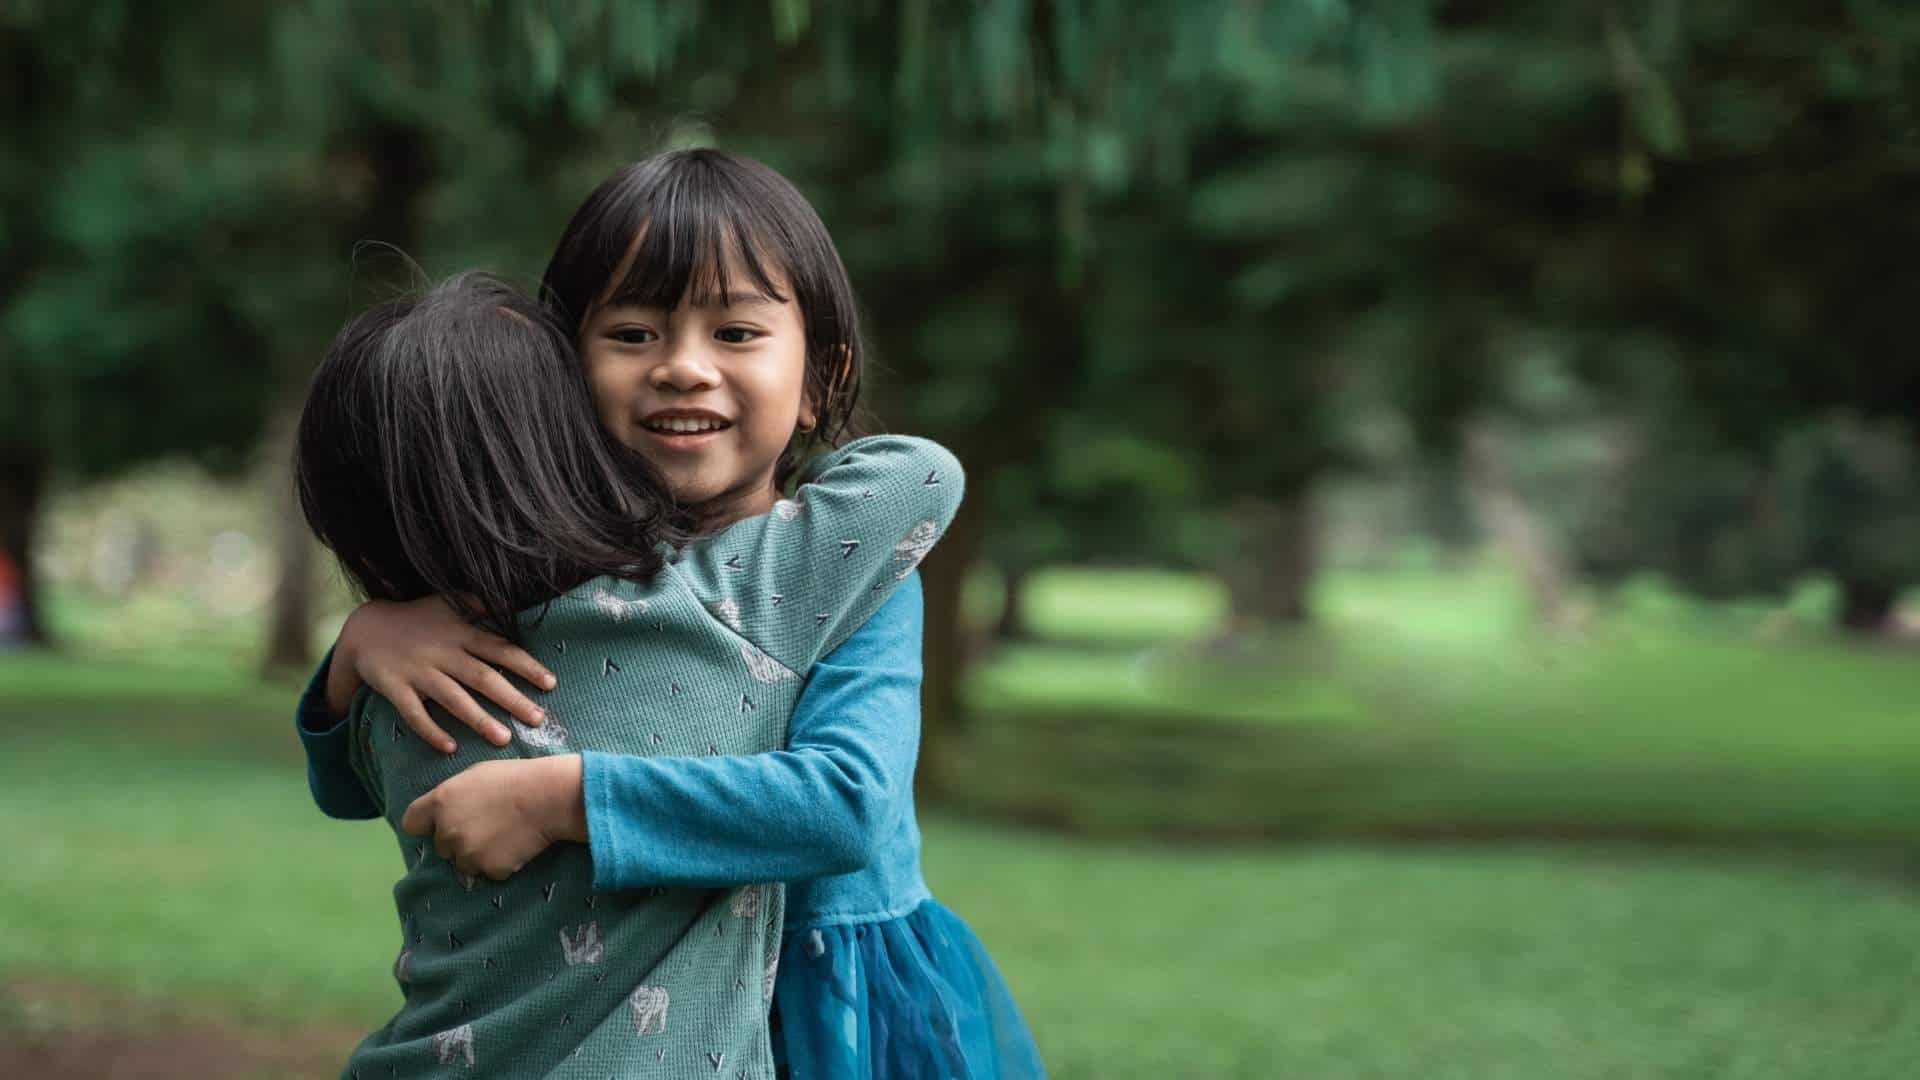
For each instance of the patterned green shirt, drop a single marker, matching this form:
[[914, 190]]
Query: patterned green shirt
[[540, 976]]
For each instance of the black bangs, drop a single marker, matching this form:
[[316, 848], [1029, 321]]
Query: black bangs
[[686, 216], [693, 212], [688, 246]]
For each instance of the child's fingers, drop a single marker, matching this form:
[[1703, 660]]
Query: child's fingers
[[478, 675], [418, 820], [503, 653], [413, 712], [504, 859], [455, 699]]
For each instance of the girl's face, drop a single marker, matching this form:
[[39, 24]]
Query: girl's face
[[710, 394]]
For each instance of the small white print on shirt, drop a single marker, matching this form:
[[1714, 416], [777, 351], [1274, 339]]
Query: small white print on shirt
[[617, 609], [551, 735], [649, 1006], [762, 667], [584, 947], [913, 547], [455, 1044]]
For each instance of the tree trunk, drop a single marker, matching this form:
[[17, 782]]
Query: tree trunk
[[945, 650], [290, 613], [1516, 530], [23, 489], [1273, 569], [1012, 623], [1866, 607]]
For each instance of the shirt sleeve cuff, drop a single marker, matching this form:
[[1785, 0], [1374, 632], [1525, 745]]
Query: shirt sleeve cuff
[[328, 741], [603, 827], [311, 715]]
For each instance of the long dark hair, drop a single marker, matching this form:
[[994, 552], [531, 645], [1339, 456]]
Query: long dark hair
[[449, 446], [692, 208]]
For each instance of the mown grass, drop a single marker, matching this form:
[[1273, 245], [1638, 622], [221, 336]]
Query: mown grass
[[183, 872]]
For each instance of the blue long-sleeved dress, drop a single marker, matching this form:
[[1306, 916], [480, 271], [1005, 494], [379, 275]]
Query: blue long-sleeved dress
[[876, 978]]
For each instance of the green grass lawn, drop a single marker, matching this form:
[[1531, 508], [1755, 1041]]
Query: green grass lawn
[[184, 872], [161, 843]]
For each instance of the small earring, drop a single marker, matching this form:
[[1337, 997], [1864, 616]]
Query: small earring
[[807, 428]]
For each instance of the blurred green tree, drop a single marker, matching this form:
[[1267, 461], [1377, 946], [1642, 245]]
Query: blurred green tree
[[1732, 266], [966, 156], [1146, 268], [125, 332]]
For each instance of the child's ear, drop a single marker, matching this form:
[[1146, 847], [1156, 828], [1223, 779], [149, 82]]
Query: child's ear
[[842, 370]]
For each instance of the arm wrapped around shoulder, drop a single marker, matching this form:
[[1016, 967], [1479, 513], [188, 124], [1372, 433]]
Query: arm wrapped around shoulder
[[800, 579]]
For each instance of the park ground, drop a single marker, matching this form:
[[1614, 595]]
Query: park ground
[[1422, 840]]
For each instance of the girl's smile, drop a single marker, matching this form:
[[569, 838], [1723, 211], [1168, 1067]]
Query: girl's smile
[[681, 430]]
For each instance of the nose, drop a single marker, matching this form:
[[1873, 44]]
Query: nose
[[684, 367]]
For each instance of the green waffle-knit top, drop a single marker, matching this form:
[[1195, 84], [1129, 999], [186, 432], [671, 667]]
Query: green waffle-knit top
[[541, 976]]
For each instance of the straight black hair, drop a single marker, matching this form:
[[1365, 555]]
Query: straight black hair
[[690, 209], [449, 446]]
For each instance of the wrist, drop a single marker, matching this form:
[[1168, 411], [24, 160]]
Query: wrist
[[564, 800]]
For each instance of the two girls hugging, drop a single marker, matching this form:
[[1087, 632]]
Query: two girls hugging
[[633, 499]]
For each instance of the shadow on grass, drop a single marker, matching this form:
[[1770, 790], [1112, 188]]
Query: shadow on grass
[[1172, 779]]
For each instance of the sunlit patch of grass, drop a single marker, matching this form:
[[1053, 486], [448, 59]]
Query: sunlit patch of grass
[[1430, 703], [1123, 606]]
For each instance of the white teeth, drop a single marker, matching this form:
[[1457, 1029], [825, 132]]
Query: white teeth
[[681, 425]]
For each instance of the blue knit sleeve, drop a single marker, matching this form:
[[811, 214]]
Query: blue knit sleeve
[[812, 810], [328, 741]]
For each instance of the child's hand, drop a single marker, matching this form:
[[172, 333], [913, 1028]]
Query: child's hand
[[494, 818], [424, 647]]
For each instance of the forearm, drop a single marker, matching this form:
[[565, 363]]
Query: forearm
[[787, 815], [818, 808], [835, 553]]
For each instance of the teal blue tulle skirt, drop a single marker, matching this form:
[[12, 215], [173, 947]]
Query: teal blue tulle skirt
[[912, 998]]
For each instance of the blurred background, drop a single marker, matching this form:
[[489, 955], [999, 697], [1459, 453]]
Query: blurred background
[[1435, 592]]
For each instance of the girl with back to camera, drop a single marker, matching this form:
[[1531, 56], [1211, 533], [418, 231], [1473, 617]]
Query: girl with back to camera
[[698, 284]]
